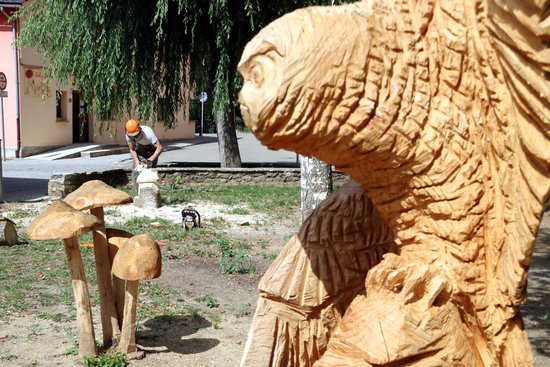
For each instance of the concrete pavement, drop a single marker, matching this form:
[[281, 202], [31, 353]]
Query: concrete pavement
[[26, 179]]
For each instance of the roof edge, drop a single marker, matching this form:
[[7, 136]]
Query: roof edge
[[12, 3]]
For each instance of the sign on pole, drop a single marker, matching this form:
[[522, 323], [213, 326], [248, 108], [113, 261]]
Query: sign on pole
[[203, 97], [3, 81], [4, 93]]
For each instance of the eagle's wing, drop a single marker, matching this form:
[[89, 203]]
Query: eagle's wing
[[520, 141], [306, 291]]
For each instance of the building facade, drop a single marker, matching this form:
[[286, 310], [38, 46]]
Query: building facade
[[37, 119]]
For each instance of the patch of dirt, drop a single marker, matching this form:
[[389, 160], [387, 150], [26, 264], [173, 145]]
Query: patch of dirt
[[217, 339], [168, 340]]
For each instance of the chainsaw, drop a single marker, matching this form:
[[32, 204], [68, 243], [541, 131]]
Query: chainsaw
[[190, 218]]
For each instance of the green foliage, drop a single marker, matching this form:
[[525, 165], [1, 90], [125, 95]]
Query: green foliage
[[11, 357], [34, 331], [218, 222], [214, 318], [73, 349], [160, 297], [109, 359], [22, 213], [244, 309], [268, 198], [110, 50], [239, 211], [169, 231], [119, 52], [239, 245], [194, 312], [210, 301], [233, 262], [55, 317], [48, 283], [539, 349]]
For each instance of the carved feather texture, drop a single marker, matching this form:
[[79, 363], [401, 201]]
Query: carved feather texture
[[520, 39], [441, 110]]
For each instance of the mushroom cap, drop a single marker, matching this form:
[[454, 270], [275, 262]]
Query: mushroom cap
[[96, 193], [115, 239], [138, 259], [60, 220]]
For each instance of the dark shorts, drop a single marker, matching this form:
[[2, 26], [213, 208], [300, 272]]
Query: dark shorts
[[146, 151]]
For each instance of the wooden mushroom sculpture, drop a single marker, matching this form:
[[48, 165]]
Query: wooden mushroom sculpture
[[62, 221], [94, 195], [137, 259], [115, 238]]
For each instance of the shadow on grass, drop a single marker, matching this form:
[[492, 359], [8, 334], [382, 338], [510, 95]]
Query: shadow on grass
[[167, 333]]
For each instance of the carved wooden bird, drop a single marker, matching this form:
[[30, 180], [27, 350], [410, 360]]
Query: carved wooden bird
[[441, 111]]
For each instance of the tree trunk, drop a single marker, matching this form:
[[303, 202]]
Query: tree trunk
[[315, 183], [227, 140]]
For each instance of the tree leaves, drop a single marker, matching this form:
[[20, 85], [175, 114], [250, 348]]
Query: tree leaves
[[125, 54]]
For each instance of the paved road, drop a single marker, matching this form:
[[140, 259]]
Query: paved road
[[26, 179]]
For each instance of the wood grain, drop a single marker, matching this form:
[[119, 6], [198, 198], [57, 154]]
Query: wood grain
[[441, 111]]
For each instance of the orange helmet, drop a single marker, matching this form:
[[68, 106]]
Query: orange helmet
[[132, 128]]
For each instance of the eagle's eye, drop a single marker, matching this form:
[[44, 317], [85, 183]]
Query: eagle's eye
[[257, 75]]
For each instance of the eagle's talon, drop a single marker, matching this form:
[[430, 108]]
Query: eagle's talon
[[426, 283]]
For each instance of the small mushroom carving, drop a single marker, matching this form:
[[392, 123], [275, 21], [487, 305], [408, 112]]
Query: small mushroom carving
[[61, 221], [94, 195], [137, 259], [115, 238]]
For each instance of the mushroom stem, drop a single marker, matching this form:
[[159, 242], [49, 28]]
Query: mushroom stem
[[127, 342], [109, 320], [118, 290], [86, 334]]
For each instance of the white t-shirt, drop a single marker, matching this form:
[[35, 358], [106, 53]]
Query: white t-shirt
[[147, 137]]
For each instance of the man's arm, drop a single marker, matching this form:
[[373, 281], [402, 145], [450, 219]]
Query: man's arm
[[159, 150], [133, 154]]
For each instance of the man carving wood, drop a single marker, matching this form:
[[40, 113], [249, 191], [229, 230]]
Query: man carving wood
[[144, 145]]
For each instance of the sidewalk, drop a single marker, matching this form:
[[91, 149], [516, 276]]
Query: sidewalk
[[205, 149]]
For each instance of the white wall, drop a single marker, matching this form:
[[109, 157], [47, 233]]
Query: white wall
[[39, 124]]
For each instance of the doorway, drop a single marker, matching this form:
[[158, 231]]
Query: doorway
[[80, 120]]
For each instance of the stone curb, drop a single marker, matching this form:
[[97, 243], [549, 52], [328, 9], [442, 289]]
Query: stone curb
[[60, 185]]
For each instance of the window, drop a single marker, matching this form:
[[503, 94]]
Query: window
[[61, 105]]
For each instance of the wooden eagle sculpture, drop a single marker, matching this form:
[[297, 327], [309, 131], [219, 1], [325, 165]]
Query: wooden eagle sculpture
[[440, 111]]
